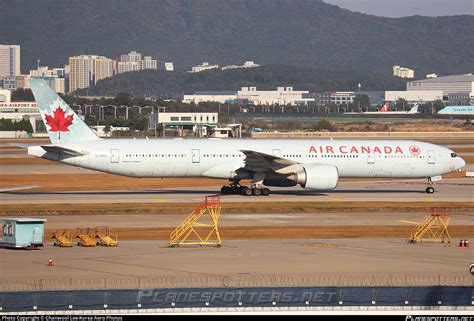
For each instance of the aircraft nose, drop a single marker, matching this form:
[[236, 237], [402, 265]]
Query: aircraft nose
[[459, 163]]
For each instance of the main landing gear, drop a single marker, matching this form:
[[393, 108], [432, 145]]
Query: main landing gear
[[430, 189], [244, 190]]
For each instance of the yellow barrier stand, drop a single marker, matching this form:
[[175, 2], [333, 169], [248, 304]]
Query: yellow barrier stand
[[192, 232]]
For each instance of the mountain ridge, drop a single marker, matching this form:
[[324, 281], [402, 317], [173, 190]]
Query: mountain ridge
[[294, 32]]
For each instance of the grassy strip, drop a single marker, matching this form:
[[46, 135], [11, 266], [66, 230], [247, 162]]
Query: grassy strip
[[231, 207], [289, 232]]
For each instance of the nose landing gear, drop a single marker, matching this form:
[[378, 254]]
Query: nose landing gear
[[430, 189]]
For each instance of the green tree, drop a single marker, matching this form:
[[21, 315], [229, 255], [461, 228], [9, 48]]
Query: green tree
[[401, 104], [22, 94], [362, 100], [107, 129], [124, 99]]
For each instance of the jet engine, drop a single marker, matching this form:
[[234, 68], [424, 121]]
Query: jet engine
[[318, 177], [312, 176]]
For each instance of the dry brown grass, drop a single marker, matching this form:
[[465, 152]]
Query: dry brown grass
[[231, 208], [463, 149], [100, 181], [288, 232], [25, 161], [25, 140]]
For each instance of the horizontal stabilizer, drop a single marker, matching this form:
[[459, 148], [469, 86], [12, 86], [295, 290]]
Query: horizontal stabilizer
[[17, 188], [61, 150]]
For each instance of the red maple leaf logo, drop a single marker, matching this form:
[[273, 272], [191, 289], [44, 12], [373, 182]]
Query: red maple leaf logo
[[59, 122], [415, 150]]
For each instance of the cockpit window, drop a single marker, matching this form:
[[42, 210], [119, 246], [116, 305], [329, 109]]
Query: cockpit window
[[454, 155]]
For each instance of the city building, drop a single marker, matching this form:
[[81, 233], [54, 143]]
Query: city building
[[133, 61], [403, 72], [103, 67], [433, 75], [132, 56], [8, 82], [147, 63], [204, 66], [413, 96], [80, 71], [448, 84], [85, 70], [54, 77], [126, 66], [169, 66], [5, 95], [183, 124], [247, 64], [9, 61]]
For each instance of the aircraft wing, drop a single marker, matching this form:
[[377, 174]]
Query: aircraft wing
[[262, 162], [61, 150]]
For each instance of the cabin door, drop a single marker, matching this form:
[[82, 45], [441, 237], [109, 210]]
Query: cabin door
[[114, 156], [196, 155], [431, 157]]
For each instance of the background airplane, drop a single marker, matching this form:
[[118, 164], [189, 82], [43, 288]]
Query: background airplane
[[385, 110]]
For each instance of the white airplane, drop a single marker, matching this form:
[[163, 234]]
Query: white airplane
[[385, 110], [312, 164], [467, 111]]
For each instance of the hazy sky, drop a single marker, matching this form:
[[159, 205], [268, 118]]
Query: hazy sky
[[403, 8]]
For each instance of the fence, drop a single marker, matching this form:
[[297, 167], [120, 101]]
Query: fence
[[233, 281], [417, 135]]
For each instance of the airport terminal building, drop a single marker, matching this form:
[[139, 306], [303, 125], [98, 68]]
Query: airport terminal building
[[449, 85], [280, 96]]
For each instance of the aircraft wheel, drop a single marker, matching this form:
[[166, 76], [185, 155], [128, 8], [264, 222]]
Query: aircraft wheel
[[265, 191], [430, 190], [257, 191], [226, 190], [246, 191]]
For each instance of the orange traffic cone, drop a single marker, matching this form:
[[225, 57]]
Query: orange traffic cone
[[461, 243], [466, 243], [50, 262]]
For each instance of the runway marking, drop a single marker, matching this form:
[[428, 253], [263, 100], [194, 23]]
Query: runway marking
[[335, 198], [427, 198], [160, 200], [409, 222], [39, 173]]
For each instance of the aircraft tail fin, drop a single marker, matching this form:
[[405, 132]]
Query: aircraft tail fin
[[414, 109], [385, 107], [61, 122]]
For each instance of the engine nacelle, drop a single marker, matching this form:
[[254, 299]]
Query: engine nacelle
[[273, 179], [318, 177]]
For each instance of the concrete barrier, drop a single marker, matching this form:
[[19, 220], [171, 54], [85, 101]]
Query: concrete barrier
[[234, 281]]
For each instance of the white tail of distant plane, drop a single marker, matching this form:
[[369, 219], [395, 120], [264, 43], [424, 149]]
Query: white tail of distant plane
[[414, 109]]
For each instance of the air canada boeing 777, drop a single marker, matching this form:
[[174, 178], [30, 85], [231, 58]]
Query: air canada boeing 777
[[312, 164]]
